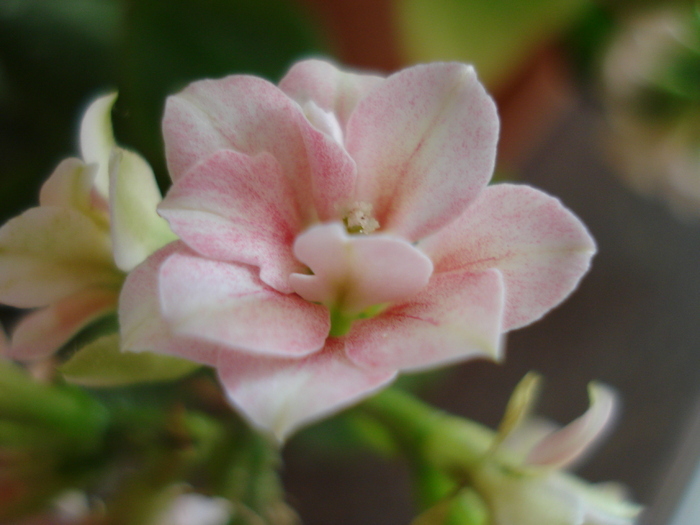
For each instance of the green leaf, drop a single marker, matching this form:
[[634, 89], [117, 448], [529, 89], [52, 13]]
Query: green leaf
[[102, 364], [54, 55]]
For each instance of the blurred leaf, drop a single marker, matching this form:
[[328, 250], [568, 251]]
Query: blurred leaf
[[102, 364], [69, 413], [496, 36], [433, 486], [587, 39], [54, 54]]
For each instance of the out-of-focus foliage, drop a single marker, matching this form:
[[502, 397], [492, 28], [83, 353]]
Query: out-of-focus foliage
[[131, 452], [101, 363], [590, 33], [496, 36], [50, 439], [57, 54]]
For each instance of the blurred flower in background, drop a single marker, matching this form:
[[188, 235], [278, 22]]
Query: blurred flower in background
[[651, 90]]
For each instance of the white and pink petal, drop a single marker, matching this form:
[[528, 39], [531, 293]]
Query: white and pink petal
[[541, 248], [50, 252], [70, 186], [424, 142], [137, 230], [328, 88], [250, 115], [279, 395], [457, 317], [354, 272], [142, 326], [227, 304], [233, 207], [97, 139], [562, 447]]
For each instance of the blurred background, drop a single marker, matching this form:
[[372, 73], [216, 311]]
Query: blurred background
[[600, 106]]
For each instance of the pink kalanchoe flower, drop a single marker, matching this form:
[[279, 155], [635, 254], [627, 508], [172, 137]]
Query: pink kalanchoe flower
[[337, 229]]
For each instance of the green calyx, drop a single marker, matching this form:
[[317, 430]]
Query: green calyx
[[341, 322]]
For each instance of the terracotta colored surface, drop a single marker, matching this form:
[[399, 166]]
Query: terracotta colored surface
[[532, 104], [360, 30]]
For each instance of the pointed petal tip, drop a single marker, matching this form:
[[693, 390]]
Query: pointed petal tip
[[136, 228], [541, 247], [97, 138], [565, 446]]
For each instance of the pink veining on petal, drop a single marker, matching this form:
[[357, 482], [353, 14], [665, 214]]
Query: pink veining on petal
[[279, 395], [233, 207], [456, 317], [425, 145], [249, 115], [542, 249], [353, 272], [142, 326], [332, 171], [564, 446], [227, 304]]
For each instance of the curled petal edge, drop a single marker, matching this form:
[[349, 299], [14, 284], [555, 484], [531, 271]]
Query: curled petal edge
[[563, 447]]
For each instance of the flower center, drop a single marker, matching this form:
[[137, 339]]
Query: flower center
[[357, 276], [358, 218]]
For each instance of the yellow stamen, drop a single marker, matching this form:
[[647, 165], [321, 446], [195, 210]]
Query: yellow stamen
[[358, 218]]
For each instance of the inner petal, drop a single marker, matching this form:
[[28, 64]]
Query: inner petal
[[324, 121], [351, 274]]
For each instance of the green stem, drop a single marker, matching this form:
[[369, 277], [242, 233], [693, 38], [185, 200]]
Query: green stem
[[68, 411], [442, 448], [439, 437]]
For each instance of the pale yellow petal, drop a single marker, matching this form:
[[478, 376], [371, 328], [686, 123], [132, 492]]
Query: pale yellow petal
[[137, 229], [97, 139], [50, 252], [69, 185]]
